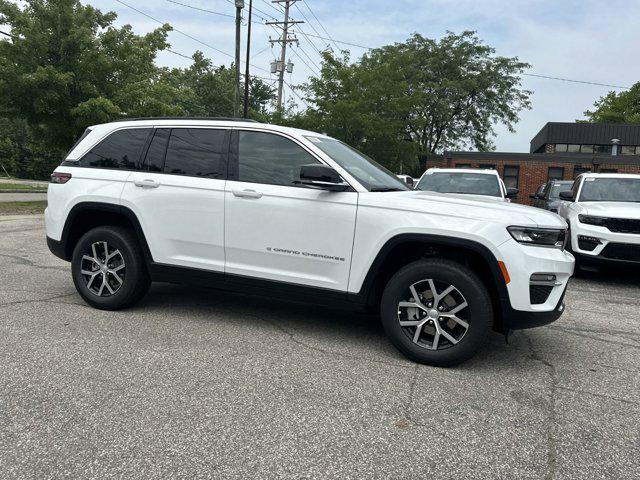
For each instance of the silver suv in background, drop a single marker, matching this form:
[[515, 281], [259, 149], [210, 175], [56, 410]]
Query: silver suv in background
[[548, 195]]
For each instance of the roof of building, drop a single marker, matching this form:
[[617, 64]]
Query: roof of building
[[585, 134], [574, 158]]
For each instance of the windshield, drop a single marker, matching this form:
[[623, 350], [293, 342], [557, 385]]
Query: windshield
[[461, 182], [556, 188], [373, 176], [610, 190]]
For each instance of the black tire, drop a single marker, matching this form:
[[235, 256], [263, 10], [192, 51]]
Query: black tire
[[479, 312], [135, 280]]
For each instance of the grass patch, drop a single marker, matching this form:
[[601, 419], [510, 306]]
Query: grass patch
[[22, 186], [22, 208]]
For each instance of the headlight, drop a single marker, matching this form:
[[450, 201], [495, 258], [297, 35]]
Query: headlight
[[542, 237], [589, 220]]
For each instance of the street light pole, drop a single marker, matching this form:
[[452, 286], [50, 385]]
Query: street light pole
[[246, 71], [236, 99]]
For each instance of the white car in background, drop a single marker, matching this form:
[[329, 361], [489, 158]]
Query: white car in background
[[467, 181], [603, 213]]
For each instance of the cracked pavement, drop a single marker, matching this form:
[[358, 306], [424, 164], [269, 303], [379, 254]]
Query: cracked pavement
[[205, 384]]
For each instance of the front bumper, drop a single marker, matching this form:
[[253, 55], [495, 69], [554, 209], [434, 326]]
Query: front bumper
[[610, 248], [523, 261], [519, 320]]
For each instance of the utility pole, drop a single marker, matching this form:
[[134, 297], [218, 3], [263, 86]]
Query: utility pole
[[236, 90], [246, 71], [281, 64]]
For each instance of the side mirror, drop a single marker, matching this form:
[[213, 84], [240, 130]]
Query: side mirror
[[322, 176], [534, 196], [512, 193], [567, 195]]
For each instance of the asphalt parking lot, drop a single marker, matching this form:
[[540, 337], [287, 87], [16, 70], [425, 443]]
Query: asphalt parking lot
[[203, 384]]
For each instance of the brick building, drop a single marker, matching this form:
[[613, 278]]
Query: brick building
[[559, 151]]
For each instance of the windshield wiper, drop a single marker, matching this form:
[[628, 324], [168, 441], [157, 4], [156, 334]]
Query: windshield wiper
[[386, 189]]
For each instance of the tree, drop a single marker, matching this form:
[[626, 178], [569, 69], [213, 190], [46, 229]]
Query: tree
[[617, 107], [66, 67], [209, 90], [418, 97]]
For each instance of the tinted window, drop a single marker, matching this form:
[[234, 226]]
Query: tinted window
[[197, 152], [372, 176], [610, 190], [270, 159], [559, 187], [121, 149], [556, 173], [157, 149], [472, 183], [511, 176]]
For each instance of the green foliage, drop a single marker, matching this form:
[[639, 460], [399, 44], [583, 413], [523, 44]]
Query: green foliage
[[409, 99], [66, 67], [617, 107]]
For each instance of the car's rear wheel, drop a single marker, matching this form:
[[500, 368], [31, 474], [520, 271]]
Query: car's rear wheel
[[108, 268], [436, 312]]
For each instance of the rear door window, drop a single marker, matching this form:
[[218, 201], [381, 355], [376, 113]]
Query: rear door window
[[154, 161], [197, 152], [120, 150]]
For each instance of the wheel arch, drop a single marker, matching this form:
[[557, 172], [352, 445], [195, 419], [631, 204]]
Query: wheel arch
[[406, 248], [87, 215]]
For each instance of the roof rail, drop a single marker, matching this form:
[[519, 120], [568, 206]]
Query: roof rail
[[226, 119]]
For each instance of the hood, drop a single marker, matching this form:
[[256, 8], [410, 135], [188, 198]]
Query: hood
[[465, 206], [612, 209]]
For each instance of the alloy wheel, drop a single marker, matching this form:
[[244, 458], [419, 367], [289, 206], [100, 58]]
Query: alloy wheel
[[434, 314], [103, 269]]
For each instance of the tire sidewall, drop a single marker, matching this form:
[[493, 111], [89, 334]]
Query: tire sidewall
[[480, 309], [132, 273]]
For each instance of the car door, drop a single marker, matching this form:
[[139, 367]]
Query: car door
[[278, 230], [178, 196]]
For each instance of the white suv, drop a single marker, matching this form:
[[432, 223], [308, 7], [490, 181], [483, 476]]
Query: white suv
[[298, 215], [484, 184], [603, 212]]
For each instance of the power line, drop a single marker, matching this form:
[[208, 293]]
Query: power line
[[548, 77], [320, 23], [201, 9], [187, 35], [340, 41], [296, 93]]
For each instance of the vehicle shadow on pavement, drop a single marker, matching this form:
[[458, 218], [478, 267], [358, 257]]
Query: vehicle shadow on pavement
[[611, 275], [324, 329]]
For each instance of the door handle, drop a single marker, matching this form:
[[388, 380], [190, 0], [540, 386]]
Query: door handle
[[147, 183], [247, 193]]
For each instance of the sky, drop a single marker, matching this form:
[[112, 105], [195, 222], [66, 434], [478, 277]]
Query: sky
[[588, 40]]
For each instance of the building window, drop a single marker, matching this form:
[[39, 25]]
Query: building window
[[511, 174], [603, 149], [573, 148], [463, 165], [487, 166], [556, 173], [608, 170], [586, 148], [561, 147], [627, 150], [580, 170]]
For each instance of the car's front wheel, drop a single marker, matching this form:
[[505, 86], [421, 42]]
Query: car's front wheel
[[108, 268], [436, 311]]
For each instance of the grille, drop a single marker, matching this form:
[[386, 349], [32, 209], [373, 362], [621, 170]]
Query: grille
[[622, 225], [539, 293], [622, 251]]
